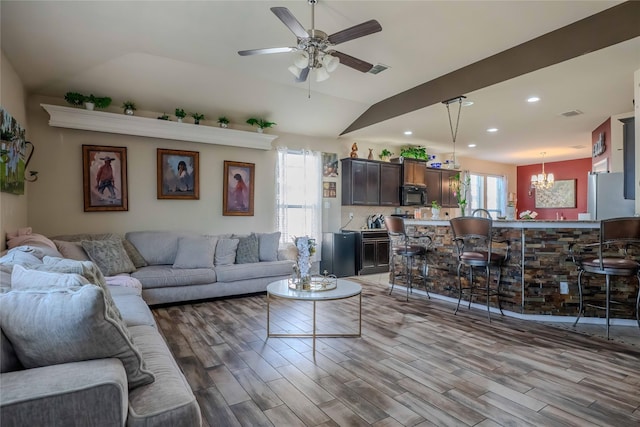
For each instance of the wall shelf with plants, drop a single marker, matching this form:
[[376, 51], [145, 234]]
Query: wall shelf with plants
[[100, 121]]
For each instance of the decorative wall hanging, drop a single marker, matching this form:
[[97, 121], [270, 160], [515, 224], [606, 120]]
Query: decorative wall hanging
[[561, 195], [328, 189], [12, 154], [178, 174], [329, 164], [238, 191], [104, 178]]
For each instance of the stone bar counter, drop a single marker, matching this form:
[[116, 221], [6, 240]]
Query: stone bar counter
[[531, 281]]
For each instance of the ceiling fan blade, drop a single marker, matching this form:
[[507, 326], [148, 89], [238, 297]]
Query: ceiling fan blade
[[303, 75], [350, 61], [290, 21], [266, 50], [356, 31]]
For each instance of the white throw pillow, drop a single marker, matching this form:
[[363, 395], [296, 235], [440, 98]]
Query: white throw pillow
[[195, 252], [22, 278]]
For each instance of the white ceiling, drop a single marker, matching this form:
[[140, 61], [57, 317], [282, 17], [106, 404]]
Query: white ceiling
[[164, 55]]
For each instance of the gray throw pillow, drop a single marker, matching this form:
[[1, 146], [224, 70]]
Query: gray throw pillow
[[269, 243], [89, 270], [195, 252], [71, 250], [248, 250], [109, 255], [226, 251], [136, 258], [22, 278], [62, 326]]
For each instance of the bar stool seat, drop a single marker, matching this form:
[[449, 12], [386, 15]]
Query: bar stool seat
[[401, 245]]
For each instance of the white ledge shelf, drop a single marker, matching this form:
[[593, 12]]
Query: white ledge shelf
[[100, 121]]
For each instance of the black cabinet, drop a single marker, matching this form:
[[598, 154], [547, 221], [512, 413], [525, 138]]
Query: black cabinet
[[372, 183], [439, 187], [372, 252], [339, 254], [629, 157]]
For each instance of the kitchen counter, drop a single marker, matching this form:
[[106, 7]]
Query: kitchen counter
[[540, 262]]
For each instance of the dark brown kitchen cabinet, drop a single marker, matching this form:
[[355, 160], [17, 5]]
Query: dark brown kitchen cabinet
[[449, 200], [629, 157], [413, 172], [373, 252], [372, 183], [433, 179]]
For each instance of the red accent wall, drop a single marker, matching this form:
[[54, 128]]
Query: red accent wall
[[605, 128], [570, 169]]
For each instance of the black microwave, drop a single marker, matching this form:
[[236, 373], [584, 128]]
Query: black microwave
[[414, 196]]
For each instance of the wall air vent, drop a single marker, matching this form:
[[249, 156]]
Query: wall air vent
[[571, 113], [378, 68]]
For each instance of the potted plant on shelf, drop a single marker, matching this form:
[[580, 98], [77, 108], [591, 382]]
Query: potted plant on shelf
[[129, 107], [385, 155], [435, 209], [180, 114], [414, 152], [223, 122], [163, 117], [262, 124], [74, 98], [97, 102], [197, 117]]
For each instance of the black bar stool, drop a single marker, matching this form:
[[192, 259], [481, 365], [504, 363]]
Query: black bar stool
[[617, 235], [472, 237], [402, 245]]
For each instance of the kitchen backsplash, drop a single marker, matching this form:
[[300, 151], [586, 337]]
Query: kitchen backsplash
[[361, 213]]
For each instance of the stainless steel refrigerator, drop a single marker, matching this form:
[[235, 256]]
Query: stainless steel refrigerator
[[605, 198]]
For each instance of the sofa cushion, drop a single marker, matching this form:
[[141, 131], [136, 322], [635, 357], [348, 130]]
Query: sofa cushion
[[248, 249], [109, 255], [235, 272], [169, 401], [195, 252], [88, 269], [17, 256], [157, 247], [268, 243], [8, 360], [134, 255], [71, 250], [137, 259], [134, 310], [60, 326], [226, 251], [22, 278], [162, 276]]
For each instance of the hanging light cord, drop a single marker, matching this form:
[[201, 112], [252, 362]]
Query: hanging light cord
[[454, 134]]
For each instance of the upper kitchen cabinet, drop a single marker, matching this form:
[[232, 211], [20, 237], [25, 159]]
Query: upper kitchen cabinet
[[433, 179], [413, 172], [368, 182], [449, 199]]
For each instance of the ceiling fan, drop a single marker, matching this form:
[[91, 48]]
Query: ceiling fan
[[315, 47]]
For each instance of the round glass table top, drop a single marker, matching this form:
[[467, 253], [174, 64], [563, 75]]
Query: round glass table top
[[344, 289]]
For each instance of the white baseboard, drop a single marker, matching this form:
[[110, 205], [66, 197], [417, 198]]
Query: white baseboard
[[533, 317]]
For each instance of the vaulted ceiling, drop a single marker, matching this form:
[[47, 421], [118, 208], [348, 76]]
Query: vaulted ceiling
[[165, 55]]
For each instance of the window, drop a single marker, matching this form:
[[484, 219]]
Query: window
[[488, 192], [298, 195]]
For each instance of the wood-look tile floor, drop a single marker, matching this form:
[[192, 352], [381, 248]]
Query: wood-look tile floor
[[416, 364]]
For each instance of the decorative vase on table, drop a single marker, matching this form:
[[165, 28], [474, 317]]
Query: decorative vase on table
[[435, 213], [302, 268]]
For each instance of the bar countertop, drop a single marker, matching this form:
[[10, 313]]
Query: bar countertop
[[518, 224]]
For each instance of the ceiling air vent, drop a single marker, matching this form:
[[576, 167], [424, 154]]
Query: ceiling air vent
[[571, 113], [378, 68]]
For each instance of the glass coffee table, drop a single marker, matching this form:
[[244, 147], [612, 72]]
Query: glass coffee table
[[344, 289]]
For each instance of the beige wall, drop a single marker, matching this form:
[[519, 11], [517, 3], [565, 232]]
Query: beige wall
[[13, 208]]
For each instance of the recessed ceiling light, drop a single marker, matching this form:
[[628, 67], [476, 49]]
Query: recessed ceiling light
[[533, 99], [408, 132], [467, 103], [492, 130], [471, 145]]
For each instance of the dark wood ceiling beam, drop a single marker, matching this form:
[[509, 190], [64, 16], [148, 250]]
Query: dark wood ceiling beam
[[607, 28]]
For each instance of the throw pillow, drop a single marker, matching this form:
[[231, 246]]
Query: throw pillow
[[19, 257], [22, 278], [71, 250], [136, 258], [248, 250], [268, 243], [89, 270], [195, 252], [226, 251], [109, 255], [48, 328]]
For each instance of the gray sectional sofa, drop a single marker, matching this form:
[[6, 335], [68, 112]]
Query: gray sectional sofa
[[95, 387]]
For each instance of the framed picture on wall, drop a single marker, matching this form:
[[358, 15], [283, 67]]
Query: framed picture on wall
[[561, 195], [12, 154], [178, 174], [104, 171], [329, 165], [238, 191]]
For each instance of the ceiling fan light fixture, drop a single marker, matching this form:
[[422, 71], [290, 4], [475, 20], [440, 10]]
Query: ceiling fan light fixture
[[330, 62], [301, 60], [321, 74], [295, 70]]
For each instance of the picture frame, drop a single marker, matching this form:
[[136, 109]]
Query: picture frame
[[238, 188], [13, 148], [104, 171], [561, 195], [178, 174], [329, 165]]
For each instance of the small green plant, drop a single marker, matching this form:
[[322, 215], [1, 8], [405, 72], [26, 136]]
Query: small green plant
[[414, 152], [75, 98], [223, 120], [163, 117], [197, 117], [262, 124], [129, 105], [435, 205], [180, 113], [99, 101], [385, 153]]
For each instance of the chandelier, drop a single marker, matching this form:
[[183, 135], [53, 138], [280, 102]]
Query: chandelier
[[314, 57], [542, 180]]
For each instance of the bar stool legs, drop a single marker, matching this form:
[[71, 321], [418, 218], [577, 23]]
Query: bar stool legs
[[472, 288], [408, 274]]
